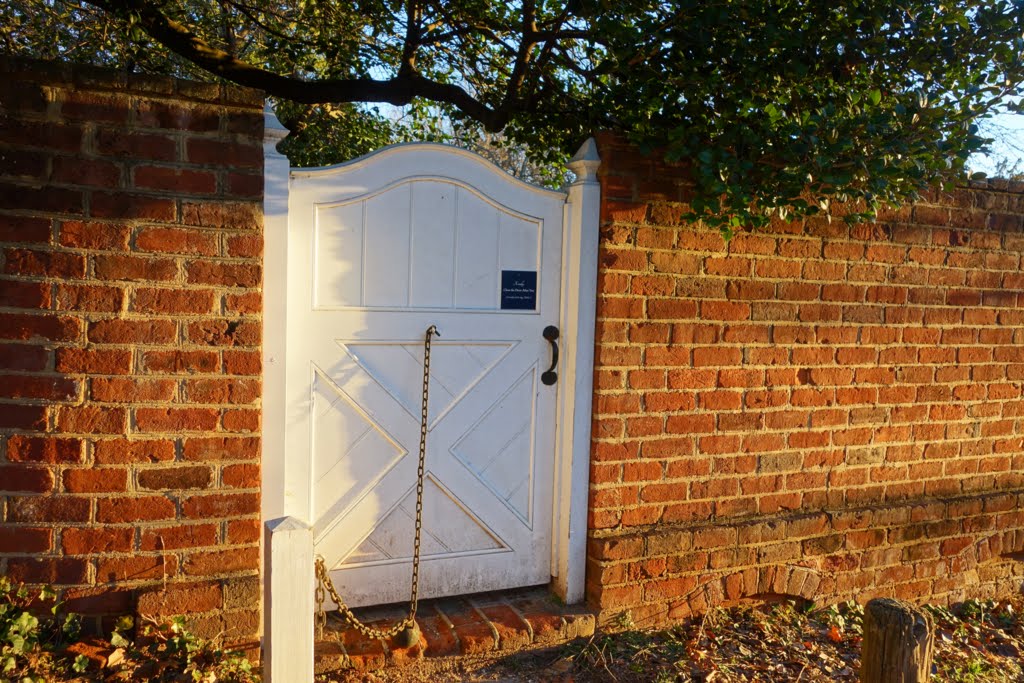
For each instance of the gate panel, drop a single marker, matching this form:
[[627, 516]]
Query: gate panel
[[378, 250]]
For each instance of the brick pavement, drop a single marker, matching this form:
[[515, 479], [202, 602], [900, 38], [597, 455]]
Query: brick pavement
[[475, 624]]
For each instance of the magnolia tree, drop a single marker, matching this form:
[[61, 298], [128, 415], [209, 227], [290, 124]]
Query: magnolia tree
[[779, 106]]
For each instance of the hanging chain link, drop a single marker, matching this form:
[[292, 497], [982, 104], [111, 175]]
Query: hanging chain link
[[324, 584]]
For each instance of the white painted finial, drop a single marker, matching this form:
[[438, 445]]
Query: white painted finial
[[586, 162], [273, 130]]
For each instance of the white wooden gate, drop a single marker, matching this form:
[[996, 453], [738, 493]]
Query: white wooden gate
[[366, 257]]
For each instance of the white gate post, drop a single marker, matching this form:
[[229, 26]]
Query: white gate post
[[288, 581], [276, 175], [288, 600], [579, 302]]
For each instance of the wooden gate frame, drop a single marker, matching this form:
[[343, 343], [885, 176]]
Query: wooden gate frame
[[287, 571]]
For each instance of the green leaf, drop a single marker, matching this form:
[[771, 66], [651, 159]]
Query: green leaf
[[81, 664], [72, 626], [875, 96]]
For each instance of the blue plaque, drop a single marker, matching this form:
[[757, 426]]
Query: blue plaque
[[519, 290]]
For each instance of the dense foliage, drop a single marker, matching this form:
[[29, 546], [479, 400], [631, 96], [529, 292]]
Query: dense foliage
[[26, 642], [39, 643], [781, 106], [787, 104]]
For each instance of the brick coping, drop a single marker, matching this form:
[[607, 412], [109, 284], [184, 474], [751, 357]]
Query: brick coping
[[503, 621]]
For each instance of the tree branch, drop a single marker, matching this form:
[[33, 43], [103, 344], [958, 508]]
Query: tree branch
[[251, 16], [398, 91], [407, 66], [523, 54]]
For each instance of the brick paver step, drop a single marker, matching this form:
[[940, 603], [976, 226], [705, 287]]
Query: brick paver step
[[500, 620]]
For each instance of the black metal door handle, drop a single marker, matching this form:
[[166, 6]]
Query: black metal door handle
[[549, 376]]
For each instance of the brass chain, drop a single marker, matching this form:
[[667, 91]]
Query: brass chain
[[324, 582]]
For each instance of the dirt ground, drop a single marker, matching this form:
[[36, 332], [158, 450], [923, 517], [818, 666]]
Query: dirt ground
[[547, 664], [976, 642]]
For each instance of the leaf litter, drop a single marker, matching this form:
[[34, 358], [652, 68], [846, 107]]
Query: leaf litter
[[975, 642]]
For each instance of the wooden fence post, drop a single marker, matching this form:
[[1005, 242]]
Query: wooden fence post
[[898, 643], [288, 595]]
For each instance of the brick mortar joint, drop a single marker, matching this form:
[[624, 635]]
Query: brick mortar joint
[[448, 623], [786, 517]]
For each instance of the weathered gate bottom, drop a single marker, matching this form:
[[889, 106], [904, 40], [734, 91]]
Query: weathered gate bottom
[[500, 620]]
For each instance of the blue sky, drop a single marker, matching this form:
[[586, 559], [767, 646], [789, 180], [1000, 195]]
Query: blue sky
[[1008, 131]]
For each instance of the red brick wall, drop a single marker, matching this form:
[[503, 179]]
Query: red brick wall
[[815, 409], [130, 275]]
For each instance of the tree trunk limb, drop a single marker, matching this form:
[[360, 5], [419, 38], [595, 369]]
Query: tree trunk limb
[[397, 91]]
